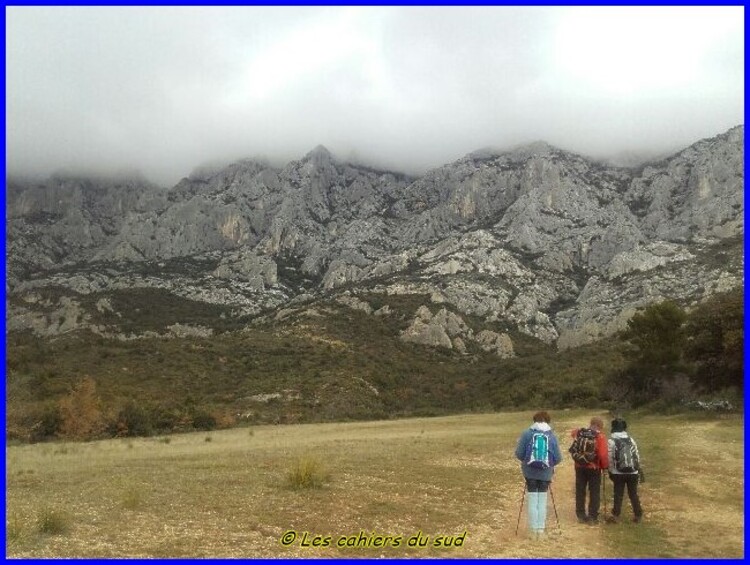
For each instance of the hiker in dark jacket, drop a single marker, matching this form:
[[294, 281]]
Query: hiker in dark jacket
[[627, 473], [589, 474], [538, 473]]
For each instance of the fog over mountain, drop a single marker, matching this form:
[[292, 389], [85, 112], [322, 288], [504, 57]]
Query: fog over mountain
[[163, 90]]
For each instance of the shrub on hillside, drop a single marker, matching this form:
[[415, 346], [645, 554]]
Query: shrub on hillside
[[50, 421], [224, 419], [166, 419], [204, 421], [133, 420], [80, 412]]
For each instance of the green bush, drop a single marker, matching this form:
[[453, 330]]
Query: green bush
[[204, 421], [48, 425], [164, 419], [134, 421]]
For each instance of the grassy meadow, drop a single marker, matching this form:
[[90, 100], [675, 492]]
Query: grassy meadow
[[236, 493]]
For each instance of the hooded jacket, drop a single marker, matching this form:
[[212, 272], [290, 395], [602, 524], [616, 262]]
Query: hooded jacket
[[611, 443], [602, 453], [554, 452]]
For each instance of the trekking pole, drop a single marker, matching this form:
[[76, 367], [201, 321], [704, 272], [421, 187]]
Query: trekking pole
[[552, 496], [520, 508]]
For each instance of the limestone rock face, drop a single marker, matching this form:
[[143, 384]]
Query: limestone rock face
[[500, 344], [447, 329], [437, 330], [62, 316], [423, 331], [647, 258], [696, 193], [69, 219], [535, 239], [339, 274], [356, 304], [260, 271], [184, 330]]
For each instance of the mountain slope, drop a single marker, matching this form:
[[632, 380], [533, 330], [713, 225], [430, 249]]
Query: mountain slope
[[538, 240]]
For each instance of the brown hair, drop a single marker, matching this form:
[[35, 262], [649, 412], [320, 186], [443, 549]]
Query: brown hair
[[598, 422], [542, 417]]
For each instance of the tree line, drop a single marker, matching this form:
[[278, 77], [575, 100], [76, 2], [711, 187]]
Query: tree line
[[673, 353]]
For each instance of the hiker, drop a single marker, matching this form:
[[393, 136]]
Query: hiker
[[589, 452], [539, 452], [624, 470]]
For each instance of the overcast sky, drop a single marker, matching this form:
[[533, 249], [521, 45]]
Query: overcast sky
[[164, 90]]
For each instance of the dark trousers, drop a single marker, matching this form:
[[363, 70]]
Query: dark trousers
[[591, 479], [535, 485], [631, 481]]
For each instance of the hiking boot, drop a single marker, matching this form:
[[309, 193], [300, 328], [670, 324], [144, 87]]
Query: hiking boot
[[593, 521], [637, 519], [583, 519], [611, 519]]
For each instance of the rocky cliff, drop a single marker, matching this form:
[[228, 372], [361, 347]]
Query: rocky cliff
[[535, 240]]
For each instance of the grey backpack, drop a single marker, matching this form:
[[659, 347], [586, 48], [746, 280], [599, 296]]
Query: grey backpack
[[626, 457]]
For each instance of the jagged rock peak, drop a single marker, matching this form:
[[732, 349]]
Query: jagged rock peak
[[533, 149], [516, 153], [735, 133], [123, 176], [319, 156], [209, 170]]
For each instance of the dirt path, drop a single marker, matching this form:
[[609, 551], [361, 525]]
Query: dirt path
[[561, 541]]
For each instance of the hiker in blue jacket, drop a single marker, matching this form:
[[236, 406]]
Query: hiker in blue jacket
[[539, 452]]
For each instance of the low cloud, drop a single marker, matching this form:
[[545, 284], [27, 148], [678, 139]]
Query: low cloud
[[164, 90]]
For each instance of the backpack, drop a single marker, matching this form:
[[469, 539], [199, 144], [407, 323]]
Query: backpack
[[626, 458], [583, 448], [537, 451]]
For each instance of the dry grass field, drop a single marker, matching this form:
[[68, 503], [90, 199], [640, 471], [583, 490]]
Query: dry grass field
[[232, 494]]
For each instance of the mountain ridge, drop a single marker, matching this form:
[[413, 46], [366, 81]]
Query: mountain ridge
[[509, 236]]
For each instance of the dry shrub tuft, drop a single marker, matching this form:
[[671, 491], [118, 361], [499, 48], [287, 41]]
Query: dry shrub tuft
[[306, 473], [53, 522]]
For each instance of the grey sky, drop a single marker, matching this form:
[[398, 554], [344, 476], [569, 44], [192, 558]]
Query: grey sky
[[164, 90]]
